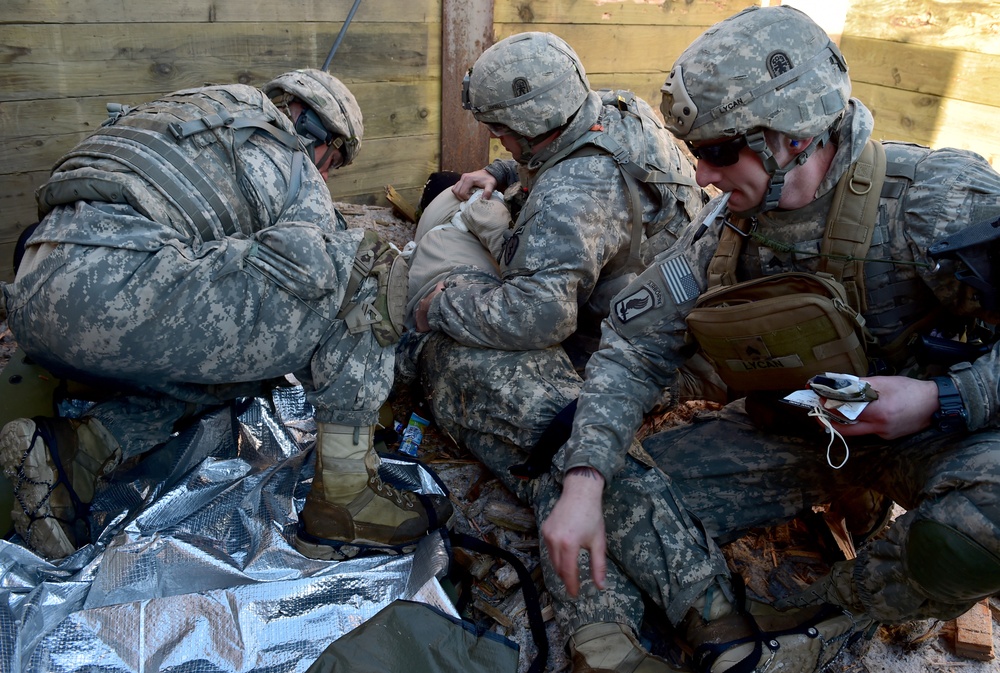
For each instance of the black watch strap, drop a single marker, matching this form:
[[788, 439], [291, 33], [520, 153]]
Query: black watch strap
[[951, 416]]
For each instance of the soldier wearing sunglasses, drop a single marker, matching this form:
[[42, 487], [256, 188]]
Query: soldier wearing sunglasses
[[763, 100]]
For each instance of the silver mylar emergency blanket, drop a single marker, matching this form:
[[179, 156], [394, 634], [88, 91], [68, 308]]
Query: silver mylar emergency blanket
[[192, 570]]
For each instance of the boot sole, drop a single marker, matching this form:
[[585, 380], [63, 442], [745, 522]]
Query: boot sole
[[336, 550], [32, 475]]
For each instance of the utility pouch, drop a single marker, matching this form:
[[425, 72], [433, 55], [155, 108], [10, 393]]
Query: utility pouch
[[776, 332]]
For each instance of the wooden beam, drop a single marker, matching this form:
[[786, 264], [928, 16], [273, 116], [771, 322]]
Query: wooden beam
[[467, 31]]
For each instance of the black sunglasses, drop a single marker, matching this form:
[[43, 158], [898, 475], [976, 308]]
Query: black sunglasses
[[721, 154]]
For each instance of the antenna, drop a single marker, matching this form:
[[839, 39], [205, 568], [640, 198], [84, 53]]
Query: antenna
[[340, 36]]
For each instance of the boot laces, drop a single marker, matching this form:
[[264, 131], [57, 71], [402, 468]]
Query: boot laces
[[403, 499]]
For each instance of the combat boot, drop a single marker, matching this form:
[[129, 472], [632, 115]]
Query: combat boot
[[611, 648], [53, 465], [350, 511], [757, 637]]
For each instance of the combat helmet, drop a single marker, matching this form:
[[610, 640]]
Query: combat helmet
[[331, 101], [531, 83], [770, 68]]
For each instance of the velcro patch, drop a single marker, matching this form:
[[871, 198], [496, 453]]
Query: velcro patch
[[679, 279], [635, 304], [757, 364]]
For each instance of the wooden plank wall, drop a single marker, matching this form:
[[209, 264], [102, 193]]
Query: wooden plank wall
[[63, 60], [929, 70], [622, 44]]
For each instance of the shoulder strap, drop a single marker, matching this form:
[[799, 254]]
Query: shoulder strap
[[851, 222], [597, 141], [722, 267]]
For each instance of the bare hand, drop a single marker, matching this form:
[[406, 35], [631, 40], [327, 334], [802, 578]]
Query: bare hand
[[577, 522], [904, 406], [469, 182], [420, 313]]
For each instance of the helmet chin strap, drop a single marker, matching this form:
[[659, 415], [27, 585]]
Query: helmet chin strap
[[757, 143], [528, 145]]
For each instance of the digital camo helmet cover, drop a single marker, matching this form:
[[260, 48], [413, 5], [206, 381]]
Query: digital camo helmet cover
[[531, 83], [770, 68], [330, 99]]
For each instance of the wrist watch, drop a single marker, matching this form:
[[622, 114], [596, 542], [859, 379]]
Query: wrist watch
[[951, 416]]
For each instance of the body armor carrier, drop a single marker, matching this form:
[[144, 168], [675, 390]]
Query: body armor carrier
[[892, 298], [656, 168], [176, 155]]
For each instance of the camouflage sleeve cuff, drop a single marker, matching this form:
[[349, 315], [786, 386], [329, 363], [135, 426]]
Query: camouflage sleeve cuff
[[505, 173], [979, 399], [580, 458]]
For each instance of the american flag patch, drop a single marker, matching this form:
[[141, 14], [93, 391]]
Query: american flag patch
[[680, 281]]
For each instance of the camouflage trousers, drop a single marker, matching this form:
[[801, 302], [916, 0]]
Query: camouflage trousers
[[199, 327], [497, 404], [732, 477], [725, 477]]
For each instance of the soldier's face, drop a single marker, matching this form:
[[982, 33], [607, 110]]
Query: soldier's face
[[328, 158], [746, 179]]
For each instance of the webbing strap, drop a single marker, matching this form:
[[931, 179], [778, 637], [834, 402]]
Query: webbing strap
[[162, 181], [722, 266], [294, 181], [851, 223], [594, 143], [180, 161], [180, 131]]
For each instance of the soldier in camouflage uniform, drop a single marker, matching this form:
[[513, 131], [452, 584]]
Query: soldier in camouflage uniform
[[498, 363], [763, 99], [190, 254]]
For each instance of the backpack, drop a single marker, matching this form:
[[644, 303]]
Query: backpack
[[183, 147]]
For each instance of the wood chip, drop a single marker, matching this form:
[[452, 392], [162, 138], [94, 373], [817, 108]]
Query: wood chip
[[510, 516], [405, 209], [493, 613], [842, 536], [974, 633], [505, 577]]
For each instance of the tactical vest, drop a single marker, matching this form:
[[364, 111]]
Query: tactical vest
[[775, 332], [183, 148], [654, 167]]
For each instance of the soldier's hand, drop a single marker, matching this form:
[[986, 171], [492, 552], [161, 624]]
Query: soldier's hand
[[904, 406], [424, 307], [575, 523], [469, 182]]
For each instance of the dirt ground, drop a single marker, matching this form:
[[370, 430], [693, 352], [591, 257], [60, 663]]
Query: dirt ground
[[774, 562]]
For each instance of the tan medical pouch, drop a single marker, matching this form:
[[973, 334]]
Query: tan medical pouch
[[776, 332]]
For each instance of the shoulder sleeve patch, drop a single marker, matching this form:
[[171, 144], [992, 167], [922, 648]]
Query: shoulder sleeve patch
[[643, 298]]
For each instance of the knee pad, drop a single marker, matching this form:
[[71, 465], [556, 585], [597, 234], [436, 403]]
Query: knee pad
[[949, 565]]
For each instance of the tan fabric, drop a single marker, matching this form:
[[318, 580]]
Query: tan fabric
[[489, 220], [439, 250]]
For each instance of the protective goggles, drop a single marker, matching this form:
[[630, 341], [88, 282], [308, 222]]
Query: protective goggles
[[721, 154]]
